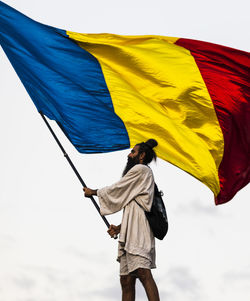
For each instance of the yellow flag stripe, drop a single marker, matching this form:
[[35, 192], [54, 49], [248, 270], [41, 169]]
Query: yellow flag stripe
[[158, 92]]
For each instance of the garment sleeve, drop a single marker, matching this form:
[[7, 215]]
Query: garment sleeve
[[137, 184]]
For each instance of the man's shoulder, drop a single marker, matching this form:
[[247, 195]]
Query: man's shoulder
[[141, 168]]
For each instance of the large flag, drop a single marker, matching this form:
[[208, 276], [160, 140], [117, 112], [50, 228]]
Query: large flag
[[108, 92]]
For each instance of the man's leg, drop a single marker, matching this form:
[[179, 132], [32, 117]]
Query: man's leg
[[148, 282], [128, 287]]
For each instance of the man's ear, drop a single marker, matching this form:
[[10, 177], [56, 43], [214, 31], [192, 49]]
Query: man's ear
[[142, 156]]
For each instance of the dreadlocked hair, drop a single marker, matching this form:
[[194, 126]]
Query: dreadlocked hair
[[147, 148]]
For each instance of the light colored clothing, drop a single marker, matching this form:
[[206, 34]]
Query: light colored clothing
[[134, 194], [129, 263]]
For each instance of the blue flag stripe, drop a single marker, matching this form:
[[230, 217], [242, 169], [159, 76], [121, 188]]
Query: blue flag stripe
[[64, 81]]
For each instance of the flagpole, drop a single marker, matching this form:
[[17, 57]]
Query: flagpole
[[74, 169]]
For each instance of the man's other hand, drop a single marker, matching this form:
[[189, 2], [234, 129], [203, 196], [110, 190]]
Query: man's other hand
[[89, 192], [114, 230]]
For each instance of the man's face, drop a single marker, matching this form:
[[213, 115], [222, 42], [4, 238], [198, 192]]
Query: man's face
[[134, 152], [133, 159]]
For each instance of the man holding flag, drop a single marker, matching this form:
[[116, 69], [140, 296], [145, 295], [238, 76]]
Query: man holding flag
[[107, 92], [134, 194]]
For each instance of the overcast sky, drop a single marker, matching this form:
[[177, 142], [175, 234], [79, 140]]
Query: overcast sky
[[53, 244]]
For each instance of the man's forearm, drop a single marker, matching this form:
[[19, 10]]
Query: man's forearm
[[94, 191]]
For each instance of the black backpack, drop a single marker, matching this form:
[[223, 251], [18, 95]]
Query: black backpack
[[157, 217]]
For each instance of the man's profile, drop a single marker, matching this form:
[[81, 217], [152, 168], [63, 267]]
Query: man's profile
[[134, 194]]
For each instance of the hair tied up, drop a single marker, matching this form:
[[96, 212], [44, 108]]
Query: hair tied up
[[147, 148], [151, 143]]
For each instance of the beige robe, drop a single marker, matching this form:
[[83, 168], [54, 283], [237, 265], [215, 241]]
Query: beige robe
[[133, 193]]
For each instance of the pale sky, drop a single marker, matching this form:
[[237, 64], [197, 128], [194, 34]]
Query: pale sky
[[53, 244]]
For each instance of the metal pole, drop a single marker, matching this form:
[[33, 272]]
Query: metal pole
[[73, 167]]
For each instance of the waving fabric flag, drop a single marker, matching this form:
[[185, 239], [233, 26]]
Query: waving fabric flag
[[108, 92]]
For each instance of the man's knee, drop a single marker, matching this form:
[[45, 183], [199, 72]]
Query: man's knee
[[144, 275], [127, 282]]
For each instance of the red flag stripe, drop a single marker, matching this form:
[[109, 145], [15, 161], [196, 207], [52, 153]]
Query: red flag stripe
[[226, 72]]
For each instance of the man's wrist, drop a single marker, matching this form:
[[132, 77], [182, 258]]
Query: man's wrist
[[94, 191]]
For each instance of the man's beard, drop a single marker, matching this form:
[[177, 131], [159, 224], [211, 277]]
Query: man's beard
[[130, 163]]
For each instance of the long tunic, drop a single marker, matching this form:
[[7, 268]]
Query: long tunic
[[134, 194]]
